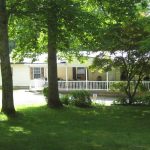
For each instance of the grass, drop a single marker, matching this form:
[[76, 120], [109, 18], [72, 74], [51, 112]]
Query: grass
[[99, 128]]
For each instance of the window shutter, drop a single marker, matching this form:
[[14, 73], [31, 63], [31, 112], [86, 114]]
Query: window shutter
[[42, 72], [31, 73], [74, 73]]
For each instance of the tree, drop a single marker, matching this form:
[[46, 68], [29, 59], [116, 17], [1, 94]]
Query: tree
[[123, 44], [63, 23], [7, 8], [133, 63], [7, 87]]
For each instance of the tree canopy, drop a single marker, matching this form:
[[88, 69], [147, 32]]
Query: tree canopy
[[124, 43], [30, 33], [69, 26], [65, 26]]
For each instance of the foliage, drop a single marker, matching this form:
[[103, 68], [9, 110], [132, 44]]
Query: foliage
[[120, 87], [66, 26], [77, 98], [65, 99], [29, 41], [139, 99], [143, 99], [71, 25], [123, 43], [117, 87], [122, 100], [142, 88], [74, 27], [45, 92], [80, 98]]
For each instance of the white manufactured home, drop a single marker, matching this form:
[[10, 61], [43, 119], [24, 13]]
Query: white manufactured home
[[74, 75]]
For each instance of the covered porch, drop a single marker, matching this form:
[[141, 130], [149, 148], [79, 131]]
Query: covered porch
[[81, 72], [39, 84], [77, 76]]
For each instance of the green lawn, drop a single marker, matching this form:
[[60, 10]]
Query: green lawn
[[100, 128]]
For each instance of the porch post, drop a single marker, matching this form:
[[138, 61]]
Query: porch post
[[66, 77], [107, 79], [86, 71]]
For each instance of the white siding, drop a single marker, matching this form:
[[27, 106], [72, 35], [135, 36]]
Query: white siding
[[21, 75]]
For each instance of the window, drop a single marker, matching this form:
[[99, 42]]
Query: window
[[123, 76], [81, 73], [37, 72], [80, 70]]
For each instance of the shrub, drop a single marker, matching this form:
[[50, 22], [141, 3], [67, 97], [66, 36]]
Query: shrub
[[77, 98], [118, 86], [142, 88], [65, 99], [45, 92], [80, 98], [142, 99], [120, 100]]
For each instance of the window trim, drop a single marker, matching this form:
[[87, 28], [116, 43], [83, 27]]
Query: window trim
[[39, 72], [36, 72]]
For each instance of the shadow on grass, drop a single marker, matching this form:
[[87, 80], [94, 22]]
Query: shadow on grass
[[38, 128]]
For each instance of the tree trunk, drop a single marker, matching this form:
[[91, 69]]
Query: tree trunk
[[53, 94], [7, 86]]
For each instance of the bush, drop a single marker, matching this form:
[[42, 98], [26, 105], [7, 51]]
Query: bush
[[65, 99], [118, 86], [121, 100], [45, 92], [80, 98], [142, 88], [76, 98], [142, 99]]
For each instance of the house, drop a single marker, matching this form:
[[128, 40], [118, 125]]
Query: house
[[73, 75], [24, 72]]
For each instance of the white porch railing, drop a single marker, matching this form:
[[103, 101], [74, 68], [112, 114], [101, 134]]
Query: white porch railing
[[80, 85], [91, 85], [36, 85], [146, 84], [86, 85]]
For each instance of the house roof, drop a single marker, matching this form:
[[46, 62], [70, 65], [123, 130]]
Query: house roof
[[42, 60]]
